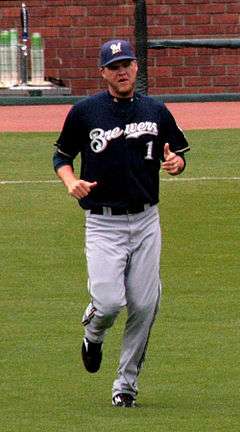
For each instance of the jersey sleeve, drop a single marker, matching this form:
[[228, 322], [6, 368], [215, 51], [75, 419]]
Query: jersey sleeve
[[69, 142], [172, 134]]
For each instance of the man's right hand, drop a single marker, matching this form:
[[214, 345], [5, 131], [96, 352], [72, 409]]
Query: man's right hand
[[76, 188], [80, 188]]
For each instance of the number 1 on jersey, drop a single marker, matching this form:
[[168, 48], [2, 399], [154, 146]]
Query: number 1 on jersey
[[149, 150]]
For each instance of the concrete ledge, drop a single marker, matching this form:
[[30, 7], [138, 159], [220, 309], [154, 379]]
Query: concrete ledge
[[34, 95], [39, 100]]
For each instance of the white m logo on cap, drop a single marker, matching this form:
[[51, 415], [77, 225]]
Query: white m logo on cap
[[116, 48]]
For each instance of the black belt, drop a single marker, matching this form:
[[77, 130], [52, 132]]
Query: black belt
[[116, 211]]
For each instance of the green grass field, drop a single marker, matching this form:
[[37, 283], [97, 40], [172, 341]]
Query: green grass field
[[191, 378]]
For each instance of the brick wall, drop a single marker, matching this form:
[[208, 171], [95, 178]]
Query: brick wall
[[74, 29]]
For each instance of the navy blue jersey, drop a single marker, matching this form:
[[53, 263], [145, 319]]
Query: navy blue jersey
[[121, 144]]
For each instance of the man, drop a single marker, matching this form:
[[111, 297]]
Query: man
[[121, 136]]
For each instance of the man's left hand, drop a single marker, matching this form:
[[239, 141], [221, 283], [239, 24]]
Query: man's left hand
[[173, 164]]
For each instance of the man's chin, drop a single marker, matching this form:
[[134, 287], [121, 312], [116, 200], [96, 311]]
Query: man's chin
[[125, 92]]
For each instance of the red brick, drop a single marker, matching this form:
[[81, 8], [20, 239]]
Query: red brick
[[85, 42], [199, 60], [186, 70], [183, 31], [175, 1], [10, 12], [212, 70], [57, 2], [58, 43], [233, 30], [92, 52], [210, 30], [168, 82], [42, 12], [65, 63], [70, 53], [225, 59], [101, 11], [225, 19], [197, 81], [93, 73], [233, 8], [160, 71], [81, 62], [165, 20], [158, 10], [212, 8], [50, 53], [204, 90], [5, 3], [233, 70], [155, 91], [197, 19], [226, 80], [89, 21], [123, 10], [74, 73], [189, 52], [60, 21], [51, 72], [37, 21], [71, 11], [48, 31], [169, 60], [123, 32], [52, 63], [199, 2], [104, 2], [10, 22], [86, 83], [77, 32], [184, 9], [160, 32], [99, 31]]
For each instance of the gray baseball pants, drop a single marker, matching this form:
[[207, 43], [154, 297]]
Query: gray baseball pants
[[123, 258]]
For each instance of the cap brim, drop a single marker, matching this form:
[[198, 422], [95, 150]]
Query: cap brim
[[119, 58]]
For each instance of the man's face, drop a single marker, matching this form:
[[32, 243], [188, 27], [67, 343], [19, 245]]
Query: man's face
[[121, 77]]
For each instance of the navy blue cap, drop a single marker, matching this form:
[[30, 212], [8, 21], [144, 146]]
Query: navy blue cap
[[115, 50]]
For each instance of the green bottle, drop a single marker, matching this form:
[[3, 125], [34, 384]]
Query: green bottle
[[14, 56], [37, 59], [5, 58]]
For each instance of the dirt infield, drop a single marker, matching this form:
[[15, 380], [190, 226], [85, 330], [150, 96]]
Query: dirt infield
[[47, 118]]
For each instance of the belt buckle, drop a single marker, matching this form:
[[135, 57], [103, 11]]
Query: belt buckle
[[107, 211], [135, 210], [139, 209], [131, 211]]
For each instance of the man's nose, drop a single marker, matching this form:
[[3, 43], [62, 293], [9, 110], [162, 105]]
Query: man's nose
[[122, 69]]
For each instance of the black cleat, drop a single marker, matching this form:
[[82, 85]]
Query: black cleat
[[124, 400], [91, 355]]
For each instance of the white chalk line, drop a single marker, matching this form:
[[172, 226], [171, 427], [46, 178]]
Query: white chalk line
[[9, 182], [171, 179], [190, 179]]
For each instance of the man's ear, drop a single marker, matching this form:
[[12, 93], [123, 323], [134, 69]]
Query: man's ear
[[136, 65], [102, 72]]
